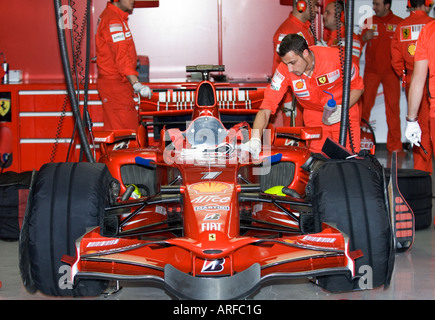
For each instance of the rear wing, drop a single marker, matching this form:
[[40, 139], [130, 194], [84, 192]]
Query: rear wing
[[179, 99]]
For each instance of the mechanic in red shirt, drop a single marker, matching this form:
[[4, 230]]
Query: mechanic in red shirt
[[310, 71], [377, 36], [116, 62], [424, 63], [402, 54], [299, 21], [338, 31]]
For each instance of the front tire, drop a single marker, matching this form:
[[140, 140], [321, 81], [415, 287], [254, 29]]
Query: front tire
[[351, 195], [65, 199]]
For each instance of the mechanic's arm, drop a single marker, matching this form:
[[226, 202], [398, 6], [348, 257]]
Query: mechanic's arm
[[368, 35], [260, 123], [138, 87], [418, 81], [354, 96], [397, 60], [416, 87], [132, 79]]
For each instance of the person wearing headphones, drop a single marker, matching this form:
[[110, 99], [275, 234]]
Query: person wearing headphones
[[299, 21], [337, 29], [402, 60], [424, 68], [313, 74], [118, 80], [377, 35]]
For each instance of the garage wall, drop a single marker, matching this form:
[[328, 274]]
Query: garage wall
[[179, 33], [176, 34]]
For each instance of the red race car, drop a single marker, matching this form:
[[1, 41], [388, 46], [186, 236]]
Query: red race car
[[193, 211]]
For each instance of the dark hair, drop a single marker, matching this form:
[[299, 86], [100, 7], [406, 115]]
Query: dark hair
[[292, 42], [387, 2], [339, 5], [417, 3]]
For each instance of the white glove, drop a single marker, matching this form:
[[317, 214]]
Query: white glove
[[413, 132], [334, 117], [143, 90], [253, 146]]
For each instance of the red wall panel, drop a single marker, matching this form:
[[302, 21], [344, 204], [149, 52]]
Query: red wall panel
[[173, 35]]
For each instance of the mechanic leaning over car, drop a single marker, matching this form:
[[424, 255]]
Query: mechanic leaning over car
[[402, 60], [424, 63], [299, 21], [313, 73], [116, 62]]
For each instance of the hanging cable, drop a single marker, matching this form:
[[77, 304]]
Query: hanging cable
[[339, 13], [313, 28], [346, 71], [69, 82]]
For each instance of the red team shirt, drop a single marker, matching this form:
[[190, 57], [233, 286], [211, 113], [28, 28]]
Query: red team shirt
[[378, 50], [114, 44], [403, 42], [425, 50], [309, 92]]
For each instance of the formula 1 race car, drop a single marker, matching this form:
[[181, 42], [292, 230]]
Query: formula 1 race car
[[195, 212]]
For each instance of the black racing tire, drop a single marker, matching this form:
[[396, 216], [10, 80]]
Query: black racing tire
[[416, 187], [65, 199], [351, 195]]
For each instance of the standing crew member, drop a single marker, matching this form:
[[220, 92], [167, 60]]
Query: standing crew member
[[116, 62], [424, 60], [377, 37], [402, 54], [338, 31], [309, 72], [299, 21]]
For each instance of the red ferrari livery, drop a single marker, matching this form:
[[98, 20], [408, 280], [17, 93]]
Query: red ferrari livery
[[186, 206]]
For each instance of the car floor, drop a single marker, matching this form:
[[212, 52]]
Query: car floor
[[413, 275]]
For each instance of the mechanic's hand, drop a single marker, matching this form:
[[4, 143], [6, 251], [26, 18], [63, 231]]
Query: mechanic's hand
[[253, 146], [413, 132], [334, 117], [143, 90]]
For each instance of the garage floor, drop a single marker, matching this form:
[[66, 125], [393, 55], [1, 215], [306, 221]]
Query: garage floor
[[413, 277]]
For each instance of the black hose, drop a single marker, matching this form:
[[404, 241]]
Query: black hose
[[88, 58], [70, 86], [347, 72]]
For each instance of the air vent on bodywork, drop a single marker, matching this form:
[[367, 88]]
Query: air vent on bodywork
[[281, 174], [143, 177]]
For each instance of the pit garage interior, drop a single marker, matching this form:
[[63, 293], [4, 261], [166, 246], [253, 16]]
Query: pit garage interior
[[169, 35]]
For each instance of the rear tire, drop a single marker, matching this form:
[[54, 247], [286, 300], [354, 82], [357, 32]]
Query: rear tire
[[65, 200], [351, 195]]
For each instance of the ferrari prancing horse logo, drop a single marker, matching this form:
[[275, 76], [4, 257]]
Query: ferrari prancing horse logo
[[5, 106]]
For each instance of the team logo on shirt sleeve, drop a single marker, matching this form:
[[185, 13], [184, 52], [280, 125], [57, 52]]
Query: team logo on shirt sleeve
[[277, 80]]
